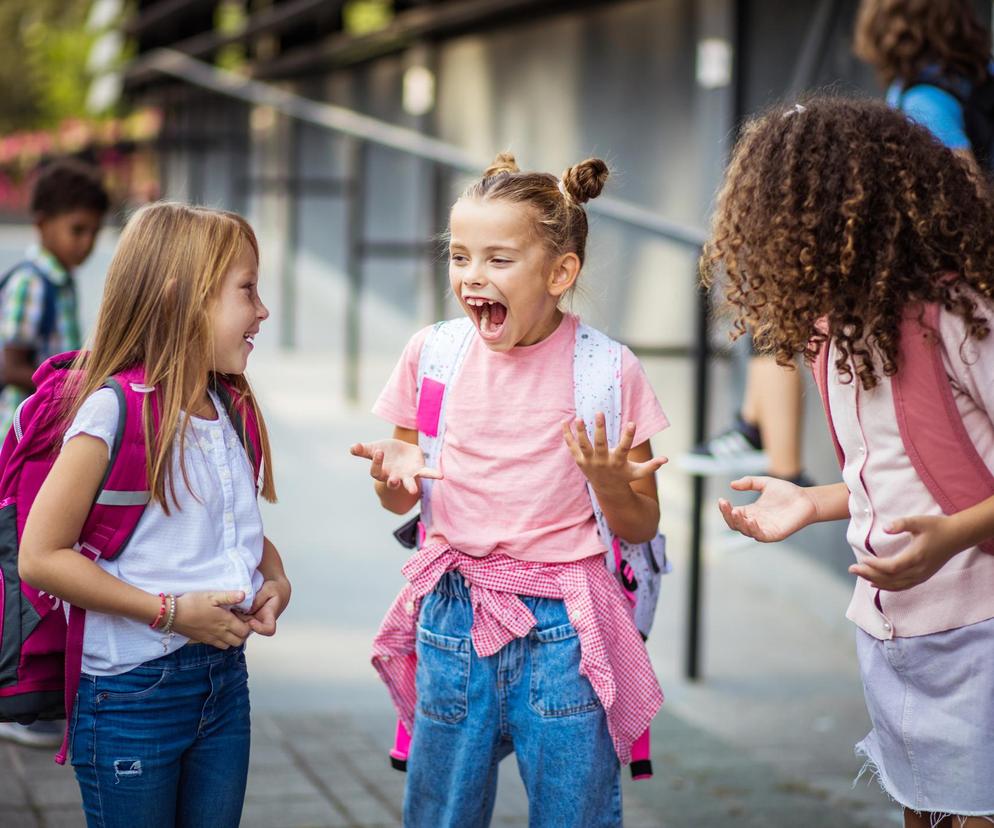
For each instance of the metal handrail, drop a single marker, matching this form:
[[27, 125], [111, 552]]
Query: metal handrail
[[409, 141]]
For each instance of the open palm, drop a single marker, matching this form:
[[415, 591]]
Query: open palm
[[396, 463], [781, 509]]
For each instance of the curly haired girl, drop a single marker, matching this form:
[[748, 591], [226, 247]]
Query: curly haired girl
[[841, 224]]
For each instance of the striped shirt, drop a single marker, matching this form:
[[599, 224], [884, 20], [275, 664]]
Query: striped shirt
[[612, 654], [22, 307]]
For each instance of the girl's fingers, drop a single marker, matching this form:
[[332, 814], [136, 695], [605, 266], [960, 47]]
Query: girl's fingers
[[434, 474], [411, 485], [726, 512], [376, 467], [627, 437], [360, 450], [750, 484], [582, 440], [600, 433], [648, 467], [574, 449]]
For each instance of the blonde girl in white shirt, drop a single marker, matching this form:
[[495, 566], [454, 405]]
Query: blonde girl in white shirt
[[160, 730]]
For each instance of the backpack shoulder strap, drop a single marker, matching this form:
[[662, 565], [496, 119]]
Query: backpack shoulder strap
[[819, 369], [243, 419], [124, 492], [49, 309], [947, 85], [597, 380], [441, 357], [932, 430], [597, 389]]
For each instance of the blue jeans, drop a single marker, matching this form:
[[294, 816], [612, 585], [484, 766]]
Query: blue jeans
[[165, 744], [529, 699]]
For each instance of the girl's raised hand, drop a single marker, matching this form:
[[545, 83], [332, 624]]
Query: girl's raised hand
[[604, 467], [934, 540], [396, 463], [781, 509], [205, 617]]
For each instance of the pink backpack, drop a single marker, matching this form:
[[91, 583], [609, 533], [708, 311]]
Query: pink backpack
[[932, 430], [40, 653]]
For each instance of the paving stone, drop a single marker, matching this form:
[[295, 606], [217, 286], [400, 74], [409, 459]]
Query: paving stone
[[18, 818], [69, 818]]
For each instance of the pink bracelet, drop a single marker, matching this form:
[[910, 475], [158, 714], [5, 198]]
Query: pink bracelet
[[162, 612]]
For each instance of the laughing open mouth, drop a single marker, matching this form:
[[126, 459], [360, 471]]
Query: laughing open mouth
[[488, 314]]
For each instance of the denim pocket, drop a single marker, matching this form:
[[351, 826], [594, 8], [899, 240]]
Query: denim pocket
[[557, 688], [138, 683], [442, 676]]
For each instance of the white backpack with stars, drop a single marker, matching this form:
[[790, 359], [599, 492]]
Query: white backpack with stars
[[597, 388]]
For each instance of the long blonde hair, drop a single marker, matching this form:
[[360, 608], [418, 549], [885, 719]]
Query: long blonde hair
[[156, 312]]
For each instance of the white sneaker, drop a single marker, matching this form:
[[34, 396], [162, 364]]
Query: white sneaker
[[37, 734], [739, 450]]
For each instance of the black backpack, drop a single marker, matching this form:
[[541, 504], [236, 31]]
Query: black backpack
[[978, 112]]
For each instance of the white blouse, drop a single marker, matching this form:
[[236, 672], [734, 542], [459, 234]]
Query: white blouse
[[211, 540]]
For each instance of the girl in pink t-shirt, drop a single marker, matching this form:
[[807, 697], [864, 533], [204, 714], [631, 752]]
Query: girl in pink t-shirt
[[524, 641], [846, 233]]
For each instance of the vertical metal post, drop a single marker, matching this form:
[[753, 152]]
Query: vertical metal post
[[354, 238], [702, 370], [291, 238]]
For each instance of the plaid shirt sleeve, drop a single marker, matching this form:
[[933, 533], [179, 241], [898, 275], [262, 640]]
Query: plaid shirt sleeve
[[21, 308]]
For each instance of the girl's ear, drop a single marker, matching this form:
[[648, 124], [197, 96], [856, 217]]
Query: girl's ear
[[563, 274]]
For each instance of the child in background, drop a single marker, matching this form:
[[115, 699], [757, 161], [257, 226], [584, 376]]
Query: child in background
[[525, 641], [38, 308], [841, 230], [160, 731]]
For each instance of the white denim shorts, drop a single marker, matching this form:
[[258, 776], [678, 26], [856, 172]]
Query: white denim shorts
[[931, 702]]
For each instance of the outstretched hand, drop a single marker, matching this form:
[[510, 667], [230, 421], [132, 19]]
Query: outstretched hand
[[396, 463], [933, 541], [604, 467], [781, 509]]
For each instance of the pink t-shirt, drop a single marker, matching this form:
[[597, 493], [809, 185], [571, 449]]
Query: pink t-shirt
[[511, 485]]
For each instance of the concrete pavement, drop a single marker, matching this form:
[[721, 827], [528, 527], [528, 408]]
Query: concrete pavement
[[764, 740]]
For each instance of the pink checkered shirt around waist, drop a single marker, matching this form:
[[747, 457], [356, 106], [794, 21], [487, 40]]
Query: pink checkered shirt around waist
[[612, 654]]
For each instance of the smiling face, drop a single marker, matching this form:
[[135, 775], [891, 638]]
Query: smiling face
[[237, 313], [69, 236], [505, 277]]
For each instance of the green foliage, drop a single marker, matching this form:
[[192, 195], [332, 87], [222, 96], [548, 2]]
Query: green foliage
[[230, 17], [44, 77], [361, 17]]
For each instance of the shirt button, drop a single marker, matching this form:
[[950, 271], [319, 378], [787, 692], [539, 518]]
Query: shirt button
[[466, 583], [886, 626], [229, 518], [409, 607], [862, 449], [866, 511]]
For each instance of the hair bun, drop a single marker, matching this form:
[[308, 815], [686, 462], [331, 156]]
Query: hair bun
[[585, 180], [503, 163]]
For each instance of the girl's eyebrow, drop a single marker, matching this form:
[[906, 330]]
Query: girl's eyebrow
[[488, 249]]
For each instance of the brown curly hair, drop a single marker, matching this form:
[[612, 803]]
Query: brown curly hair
[[845, 211], [562, 221], [900, 38]]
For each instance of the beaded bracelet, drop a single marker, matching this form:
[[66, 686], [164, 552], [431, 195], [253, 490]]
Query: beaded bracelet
[[162, 611], [167, 629]]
